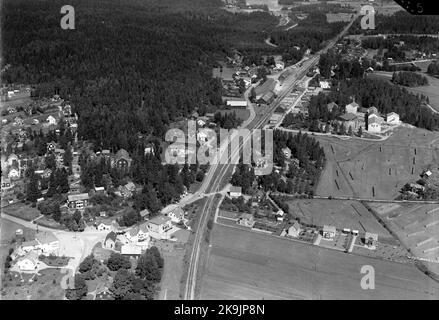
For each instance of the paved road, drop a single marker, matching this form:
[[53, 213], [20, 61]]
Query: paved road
[[221, 172]]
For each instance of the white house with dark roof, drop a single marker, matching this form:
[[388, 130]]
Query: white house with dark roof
[[159, 227], [393, 118], [235, 192]]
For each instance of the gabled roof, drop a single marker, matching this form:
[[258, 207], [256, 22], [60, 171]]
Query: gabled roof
[[348, 117], [122, 154], [159, 220], [79, 196], [235, 189], [111, 236]]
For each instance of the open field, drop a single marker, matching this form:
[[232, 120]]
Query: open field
[[44, 286], [249, 265], [416, 225], [21, 210], [339, 213], [367, 169], [431, 90]]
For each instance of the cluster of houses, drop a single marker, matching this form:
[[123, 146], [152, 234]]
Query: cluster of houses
[[368, 119], [26, 257], [135, 240]]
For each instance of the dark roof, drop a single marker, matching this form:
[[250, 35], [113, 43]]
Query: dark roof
[[265, 87], [348, 117], [111, 236]]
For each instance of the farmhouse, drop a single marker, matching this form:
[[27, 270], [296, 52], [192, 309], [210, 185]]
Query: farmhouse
[[392, 118], [77, 201], [329, 231], [294, 230], [246, 220], [235, 192]]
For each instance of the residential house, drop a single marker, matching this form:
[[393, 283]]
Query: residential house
[[159, 227], [374, 125], [294, 230], [29, 262], [138, 233], [77, 201], [110, 240], [246, 220], [329, 231], [392, 118], [149, 149], [235, 192], [144, 214], [104, 227], [176, 215], [352, 108]]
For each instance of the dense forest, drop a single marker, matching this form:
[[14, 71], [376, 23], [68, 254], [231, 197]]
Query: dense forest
[[128, 67], [381, 94], [311, 33], [300, 178], [409, 79], [433, 69]]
